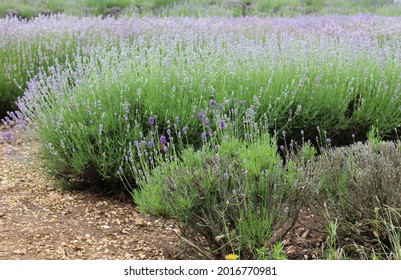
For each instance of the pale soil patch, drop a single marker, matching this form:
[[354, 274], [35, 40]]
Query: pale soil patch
[[39, 220]]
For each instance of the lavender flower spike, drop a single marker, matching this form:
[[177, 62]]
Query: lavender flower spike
[[201, 115], [222, 124], [163, 140]]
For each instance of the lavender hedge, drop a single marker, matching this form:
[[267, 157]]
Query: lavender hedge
[[337, 73]]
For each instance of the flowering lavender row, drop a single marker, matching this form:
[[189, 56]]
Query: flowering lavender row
[[336, 25], [136, 77], [29, 46]]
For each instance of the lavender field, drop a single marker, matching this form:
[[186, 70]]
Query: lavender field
[[229, 125]]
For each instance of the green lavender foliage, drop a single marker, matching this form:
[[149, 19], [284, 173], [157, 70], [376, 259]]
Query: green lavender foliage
[[240, 199]]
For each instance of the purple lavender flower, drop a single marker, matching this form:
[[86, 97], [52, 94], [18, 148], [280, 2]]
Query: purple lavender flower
[[212, 103], [206, 122], [216, 148], [222, 124], [282, 148], [226, 176], [32, 84], [201, 115], [163, 140], [243, 102], [151, 121], [150, 144], [168, 131], [177, 119], [203, 136]]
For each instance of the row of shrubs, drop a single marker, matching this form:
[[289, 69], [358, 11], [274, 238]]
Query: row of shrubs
[[197, 8], [89, 111], [236, 193]]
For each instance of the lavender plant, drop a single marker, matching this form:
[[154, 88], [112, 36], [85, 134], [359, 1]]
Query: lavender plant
[[37, 46], [359, 186], [233, 192], [296, 74]]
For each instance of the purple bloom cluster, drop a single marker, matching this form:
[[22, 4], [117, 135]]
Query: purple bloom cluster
[[222, 124], [163, 140], [150, 144], [201, 115]]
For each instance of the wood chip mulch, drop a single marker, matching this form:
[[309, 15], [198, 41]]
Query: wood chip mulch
[[40, 220]]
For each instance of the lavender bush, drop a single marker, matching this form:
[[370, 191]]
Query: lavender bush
[[340, 73], [233, 193], [39, 45], [359, 188]]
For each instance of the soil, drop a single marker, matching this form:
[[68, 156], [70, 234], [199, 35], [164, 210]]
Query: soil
[[41, 220]]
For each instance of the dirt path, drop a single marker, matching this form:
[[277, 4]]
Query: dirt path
[[39, 220]]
